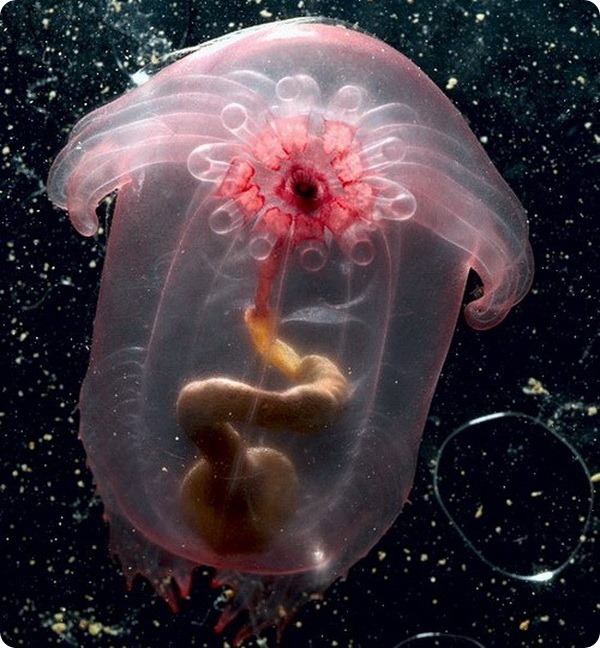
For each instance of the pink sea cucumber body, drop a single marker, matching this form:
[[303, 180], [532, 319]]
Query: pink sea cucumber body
[[309, 172]]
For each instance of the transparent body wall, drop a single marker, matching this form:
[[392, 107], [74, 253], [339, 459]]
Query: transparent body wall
[[286, 264]]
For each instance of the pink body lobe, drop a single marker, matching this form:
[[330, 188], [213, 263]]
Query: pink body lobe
[[297, 210]]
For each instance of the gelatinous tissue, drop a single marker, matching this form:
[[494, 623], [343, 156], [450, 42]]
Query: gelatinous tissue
[[297, 210]]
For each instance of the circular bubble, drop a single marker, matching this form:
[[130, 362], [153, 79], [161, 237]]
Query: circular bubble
[[222, 221], [198, 163], [349, 97], [518, 494], [234, 116], [313, 255], [260, 246], [393, 149], [362, 252], [287, 88], [357, 245], [402, 207], [439, 639]]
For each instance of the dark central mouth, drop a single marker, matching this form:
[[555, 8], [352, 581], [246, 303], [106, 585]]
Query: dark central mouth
[[306, 190]]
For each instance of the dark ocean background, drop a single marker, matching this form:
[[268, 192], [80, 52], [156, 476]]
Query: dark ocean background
[[497, 547]]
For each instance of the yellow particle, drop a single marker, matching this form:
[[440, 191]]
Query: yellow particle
[[479, 512], [59, 628], [451, 83], [95, 629], [524, 625], [535, 387]]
